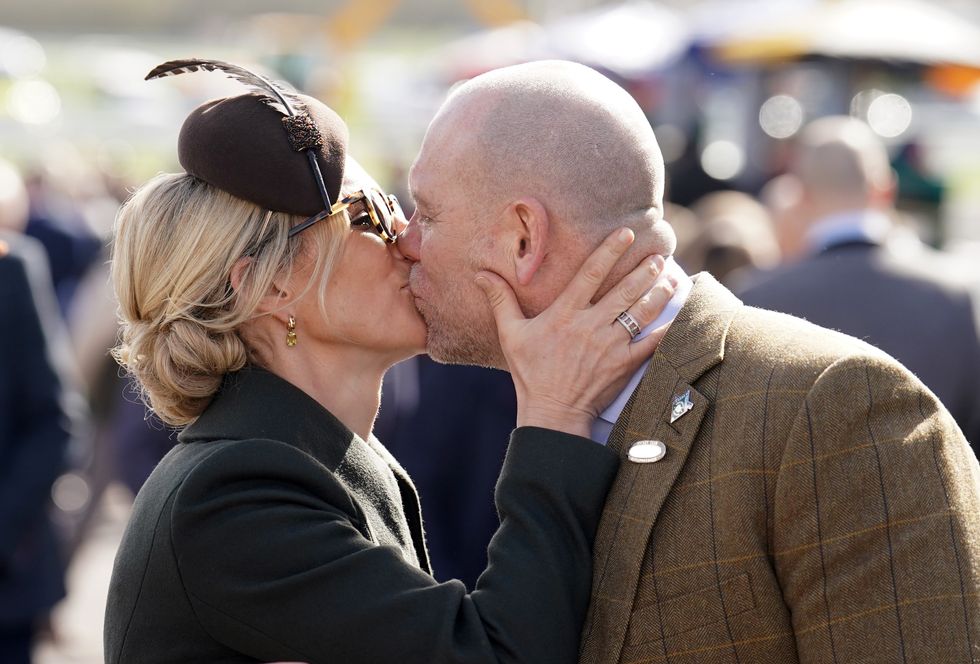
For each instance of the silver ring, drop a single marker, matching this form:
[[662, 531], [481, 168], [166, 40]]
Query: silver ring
[[626, 320]]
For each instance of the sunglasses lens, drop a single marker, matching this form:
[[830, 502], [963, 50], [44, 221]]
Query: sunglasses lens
[[383, 212], [398, 219], [395, 208]]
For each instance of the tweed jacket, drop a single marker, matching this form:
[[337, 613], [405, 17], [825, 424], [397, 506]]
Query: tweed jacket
[[817, 504], [273, 533], [900, 303]]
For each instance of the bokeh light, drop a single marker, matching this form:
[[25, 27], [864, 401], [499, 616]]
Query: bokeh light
[[890, 115], [781, 116], [33, 102], [861, 102], [20, 56], [70, 492], [723, 160]]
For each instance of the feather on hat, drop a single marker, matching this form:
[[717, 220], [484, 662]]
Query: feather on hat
[[266, 146]]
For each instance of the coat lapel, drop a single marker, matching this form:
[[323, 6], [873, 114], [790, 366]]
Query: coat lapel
[[410, 503], [240, 410], [694, 344]]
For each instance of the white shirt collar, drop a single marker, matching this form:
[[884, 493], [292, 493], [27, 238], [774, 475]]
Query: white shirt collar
[[604, 423], [854, 225]]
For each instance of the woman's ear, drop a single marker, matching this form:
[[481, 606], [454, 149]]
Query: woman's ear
[[238, 272], [530, 222], [271, 301]]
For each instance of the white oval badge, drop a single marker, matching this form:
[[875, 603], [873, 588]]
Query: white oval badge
[[647, 451]]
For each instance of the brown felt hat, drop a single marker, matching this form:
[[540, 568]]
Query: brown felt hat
[[245, 147]]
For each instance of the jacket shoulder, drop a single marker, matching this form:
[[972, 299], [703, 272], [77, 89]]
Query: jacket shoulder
[[771, 339], [924, 277], [230, 465], [194, 473]]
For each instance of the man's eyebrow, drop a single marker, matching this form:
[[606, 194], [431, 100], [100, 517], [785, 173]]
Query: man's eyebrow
[[420, 201], [409, 180], [418, 198]]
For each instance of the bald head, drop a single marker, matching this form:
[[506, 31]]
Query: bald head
[[841, 161], [560, 132], [522, 172]]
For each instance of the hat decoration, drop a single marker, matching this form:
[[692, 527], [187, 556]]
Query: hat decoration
[[233, 142], [277, 96]]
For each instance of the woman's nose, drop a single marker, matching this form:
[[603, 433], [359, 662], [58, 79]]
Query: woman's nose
[[398, 223], [396, 249]]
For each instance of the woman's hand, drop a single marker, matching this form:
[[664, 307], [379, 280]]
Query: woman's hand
[[572, 359]]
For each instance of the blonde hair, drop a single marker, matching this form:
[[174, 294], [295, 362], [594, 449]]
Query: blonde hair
[[176, 242]]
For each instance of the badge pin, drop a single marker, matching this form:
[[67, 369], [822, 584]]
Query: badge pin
[[647, 451], [682, 404]]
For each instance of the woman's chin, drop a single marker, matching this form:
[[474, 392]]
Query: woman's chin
[[417, 346], [402, 354], [412, 342]]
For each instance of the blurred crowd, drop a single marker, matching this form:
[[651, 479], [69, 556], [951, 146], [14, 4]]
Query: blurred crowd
[[69, 428], [838, 226]]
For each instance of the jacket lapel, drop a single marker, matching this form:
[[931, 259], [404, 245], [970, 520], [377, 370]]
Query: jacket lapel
[[694, 344], [241, 410], [410, 503]]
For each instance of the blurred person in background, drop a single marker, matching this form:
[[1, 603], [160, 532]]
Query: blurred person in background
[[686, 180], [127, 442], [427, 408], [686, 228], [920, 193], [263, 296], [734, 232], [72, 246], [780, 196], [919, 307], [38, 413]]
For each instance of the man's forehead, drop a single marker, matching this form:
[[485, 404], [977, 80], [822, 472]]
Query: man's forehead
[[423, 180], [445, 156], [416, 185]]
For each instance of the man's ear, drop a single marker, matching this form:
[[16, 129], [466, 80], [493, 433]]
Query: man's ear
[[272, 300], [530, 223]]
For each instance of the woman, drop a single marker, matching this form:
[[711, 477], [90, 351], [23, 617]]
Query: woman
[[261, 316]]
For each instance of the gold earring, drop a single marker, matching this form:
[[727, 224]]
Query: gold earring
[[291, 332]]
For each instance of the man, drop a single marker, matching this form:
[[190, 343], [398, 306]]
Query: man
[[786, 493], [918, 308]]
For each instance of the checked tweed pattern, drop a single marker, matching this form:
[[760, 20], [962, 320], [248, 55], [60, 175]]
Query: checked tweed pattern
[[817, 504]]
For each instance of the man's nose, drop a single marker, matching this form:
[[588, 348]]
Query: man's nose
[[408, 241]]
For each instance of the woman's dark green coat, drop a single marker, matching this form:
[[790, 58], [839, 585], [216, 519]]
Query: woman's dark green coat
[[271, 532]]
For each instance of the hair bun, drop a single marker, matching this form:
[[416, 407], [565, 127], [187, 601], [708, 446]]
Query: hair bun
[[179, 365]]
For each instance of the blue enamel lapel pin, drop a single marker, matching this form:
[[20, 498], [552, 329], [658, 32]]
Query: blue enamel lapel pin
[[682, 403]]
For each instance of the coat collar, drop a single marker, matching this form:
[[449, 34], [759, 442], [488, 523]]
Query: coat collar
[[694, 343], [255, 403]]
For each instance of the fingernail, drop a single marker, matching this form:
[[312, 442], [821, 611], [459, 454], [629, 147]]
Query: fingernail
[[482, 282], [625, 235]]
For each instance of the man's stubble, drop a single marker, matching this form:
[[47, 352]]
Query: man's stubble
[[459, 332]]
